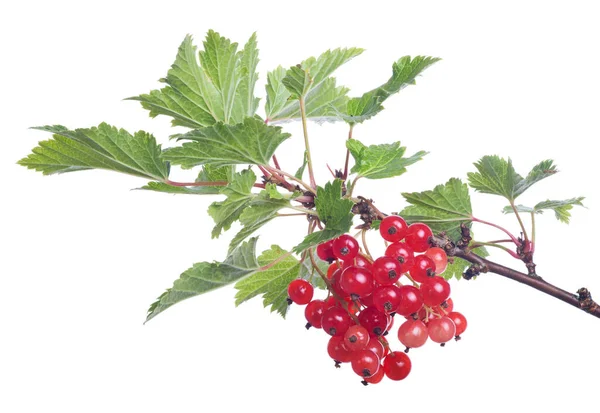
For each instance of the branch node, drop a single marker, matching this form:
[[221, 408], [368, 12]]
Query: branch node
[[585, 300], [465, 234]]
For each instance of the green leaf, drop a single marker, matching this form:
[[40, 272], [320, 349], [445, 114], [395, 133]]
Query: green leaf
[[245, 103], [323, 100], [297, 81], [561, 208], [271, 191], [542, 170], [334, 211], [497, 176], [239, 197], [380, 161], [208, 276], [217, 88], [250, 142], [443, 209], [261, 209], [459, 266], [322, 104], [277, 93], [404, 73], [102, 147], [272, 282], [207, 174]]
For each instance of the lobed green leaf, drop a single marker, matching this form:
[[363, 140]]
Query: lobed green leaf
[[208, 276], [239, 197], [271, 282], [497, 176], [444, 208], [219, 87], [102, 147], [323, 99], [260, 210], [380, 161], [334, 211], [249, 142], [561, 208], [404, 73]]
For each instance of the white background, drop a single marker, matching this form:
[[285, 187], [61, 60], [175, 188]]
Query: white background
[[82, 256]]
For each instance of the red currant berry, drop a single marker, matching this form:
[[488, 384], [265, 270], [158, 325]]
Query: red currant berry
[[358, 261], [441, 329], [356, 338], [345, 247], [332, 268], [325, 251], [422, 269], [336, 321], [439, 257], [337, 351], [376, 347], [386, 298], [365, 363], [386, 270], [459, 321], [374, 378], [367, 300], [410, 300], [435, 291], [348, 304], [330, 302], [413, 333], [373, 320], [356, 281], [396, 365], [403, 253], [314, 313], [418, 236], [300, 291], [393, 228], [445, 309], [335, 283]]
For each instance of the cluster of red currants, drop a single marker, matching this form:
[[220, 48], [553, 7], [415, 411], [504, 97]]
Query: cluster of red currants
[[366, 294]]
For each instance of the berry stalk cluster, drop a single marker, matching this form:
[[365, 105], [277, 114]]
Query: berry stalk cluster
[[365, 295]]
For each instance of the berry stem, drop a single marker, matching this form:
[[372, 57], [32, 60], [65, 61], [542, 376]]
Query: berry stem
[[532, 247], [290, 176], [348, 152], [327, 282], [303, 210], [307, 145], [512, 204], [512, 237], [476, 244], [276, 162], [364, 242], [351, 190], [199, 183]]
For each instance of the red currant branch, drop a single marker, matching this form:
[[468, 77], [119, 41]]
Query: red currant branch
[[462, 249], [582, 300]]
